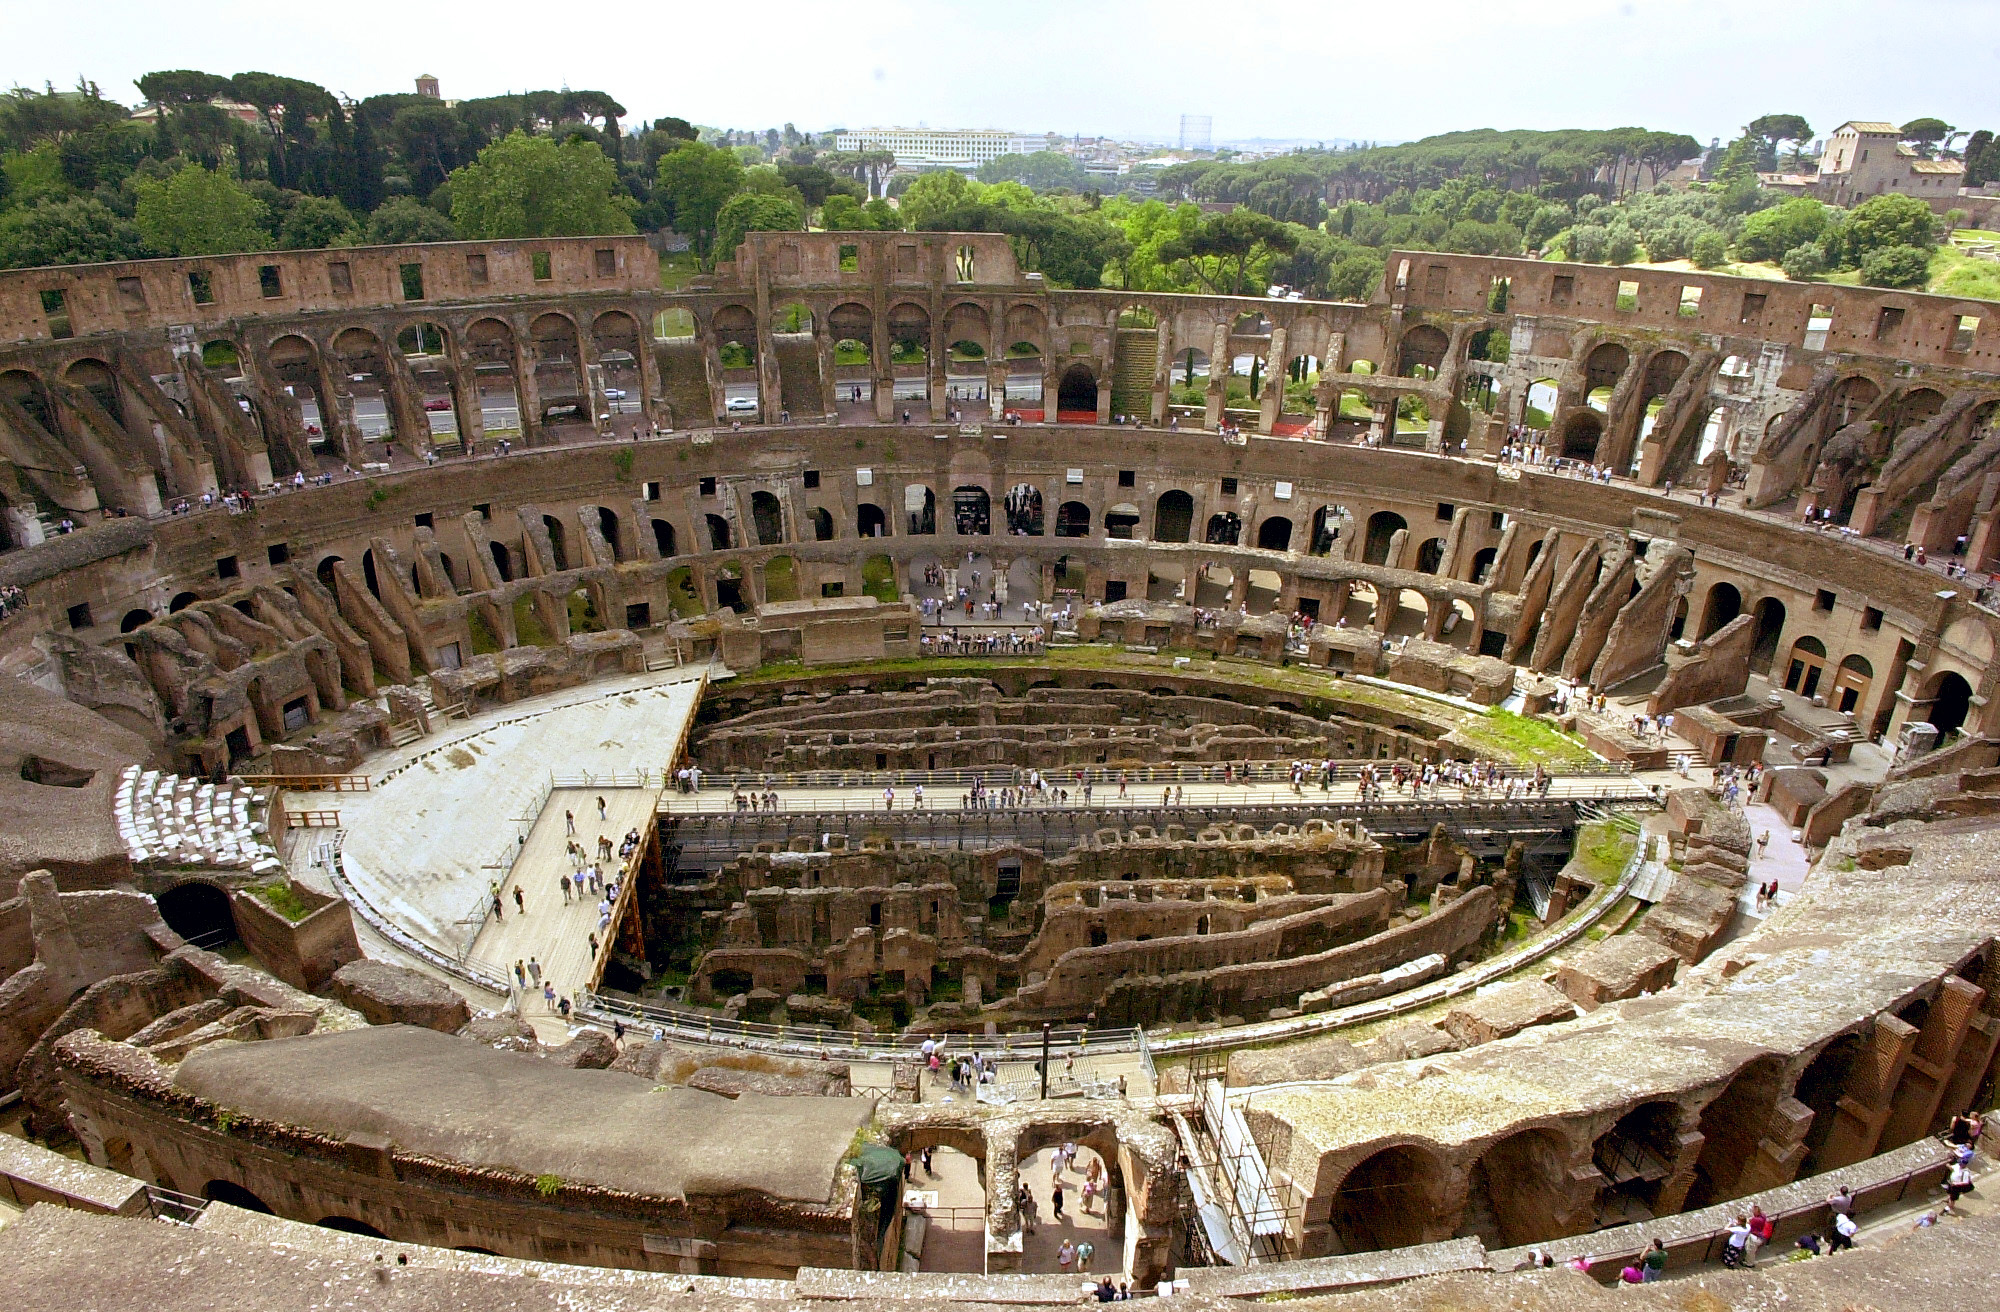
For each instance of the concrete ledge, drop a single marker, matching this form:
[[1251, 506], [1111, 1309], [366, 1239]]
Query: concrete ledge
[[31, 1174], [1318, 1274], [943, 1286]]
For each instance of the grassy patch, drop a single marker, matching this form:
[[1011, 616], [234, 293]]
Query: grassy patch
[[878, 580], [527, 624], [680, 592], [483, 641], [1525, 740], [781, 579], [1602, 850], [583, 616], [281, 897], [676, 269], [1954, 273]]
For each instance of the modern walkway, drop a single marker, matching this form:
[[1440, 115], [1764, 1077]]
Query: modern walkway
[[554, 930]]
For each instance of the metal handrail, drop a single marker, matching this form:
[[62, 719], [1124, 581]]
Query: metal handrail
[[716, 802], [1064, 776]]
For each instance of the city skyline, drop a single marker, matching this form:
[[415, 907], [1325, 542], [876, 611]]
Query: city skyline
[[1699, 66]]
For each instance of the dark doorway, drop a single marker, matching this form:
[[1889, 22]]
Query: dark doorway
[[1173, 517], [235, 1195], [348, 1225], [1077, 393], [199, 913]]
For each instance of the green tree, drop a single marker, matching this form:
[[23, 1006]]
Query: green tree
[[523, 186], [1804, 262], [316, 222], [1708, 250], [79, 230], [933, 194], [1982, 159], [751, 211], [1896, 266], [1768, 234], [843, 213], [405, 219], [1772, 129], [692, 183], [199, 211], [1588, 242], [1621, 244], [1925, 134], [1888, 220], [1044, 170]]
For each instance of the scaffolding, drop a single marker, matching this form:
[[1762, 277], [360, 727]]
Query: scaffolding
[[1232, 1211]]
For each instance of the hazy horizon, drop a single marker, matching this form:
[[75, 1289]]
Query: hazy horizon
[[1287, 71]]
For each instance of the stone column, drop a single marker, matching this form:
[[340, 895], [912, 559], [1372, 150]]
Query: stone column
[[1272, 404], [883, 371], [527, 392], [1051, 385], [940, 355], [1163, 370], [1104, 391], [406, 407], [466, 408], [711, 364], [823, 346], [1218, 375]]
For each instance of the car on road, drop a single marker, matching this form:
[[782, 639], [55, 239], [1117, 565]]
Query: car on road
[[614, 394], [740, 405], [437, 403]]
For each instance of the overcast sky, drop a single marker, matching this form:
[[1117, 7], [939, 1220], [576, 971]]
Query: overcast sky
[[1122, 68]]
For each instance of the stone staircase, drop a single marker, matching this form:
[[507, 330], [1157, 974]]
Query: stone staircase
[[1132, 375]]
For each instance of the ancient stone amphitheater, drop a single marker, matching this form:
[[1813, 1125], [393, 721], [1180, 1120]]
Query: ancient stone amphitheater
[[344, 588]]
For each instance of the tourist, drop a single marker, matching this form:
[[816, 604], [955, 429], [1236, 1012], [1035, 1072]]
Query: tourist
[[1841, 1202], [562, 882], [1106, 1291], [534, 970], [569, 818], [520, 973], [563, 1006], [1761, 1230], [549, 995], [1844, 1230], [1066, 1253], [1056, 1197], [1633, 1274], [1085, 1250], [520, 903], [1956, 1186], [600, 810], [1024, 1199], [1654, 1263]]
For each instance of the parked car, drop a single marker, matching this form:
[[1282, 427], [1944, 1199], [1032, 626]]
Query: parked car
[[438, 403], [741, 405], [614, 394]]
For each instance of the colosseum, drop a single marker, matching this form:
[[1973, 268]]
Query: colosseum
[[1381, 849]]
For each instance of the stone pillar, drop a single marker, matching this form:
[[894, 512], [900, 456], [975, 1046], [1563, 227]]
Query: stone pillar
[[405, 403], [1104, 393], [711, 364], [1163, 370], [823, 346], [336, 408], [940, 354], [1051, 387], [527, 392], [1273, 401], [883, 372], [466, 408], [1218, 375]]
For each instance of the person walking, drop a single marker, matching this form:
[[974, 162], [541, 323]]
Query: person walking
[[534, 970], [1844, 1230], [601, 814], [562, 882], [1024, 1199], [1956, 1186], [520, 974], [569, 818], [520, 903], [1056, 1199]]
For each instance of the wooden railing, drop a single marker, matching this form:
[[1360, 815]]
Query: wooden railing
[[309, 783]]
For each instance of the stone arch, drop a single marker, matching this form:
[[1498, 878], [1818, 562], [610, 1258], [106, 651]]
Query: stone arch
[[95, 377], [134, 619], [1914, 407], [663, 539], [1581, 430], [1663, 370], [718, 532], [1482, 563], [616, 337], [971, 511], [793, 318], [1225, 529], [769, 517], [348, 1225], [1121, 521], [1325, 530], [1412, 616], [1950, 698], [1421, 352], [1430, 555], [1636, 1156], [1393, 1198], [1820, 1087], [870, 521], [1077, 392], [235, 1195], [1852, 397], [1173, 516], [1770, 613], [729, 594], [609, 527], [919, 509], [503, 564], [821, 520], [851, 325], [1805, 666], [558, 542], [1604, 366], [1724, 604], [1382, 526], [1073, 520], [1851, 682], [1023, 508], [968, 321], [1275, 533], [199, 912], [1732, 1126], [557, 354], [1518, 1190]]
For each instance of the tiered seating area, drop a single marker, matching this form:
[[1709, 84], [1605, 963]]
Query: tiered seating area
[[166, 819]]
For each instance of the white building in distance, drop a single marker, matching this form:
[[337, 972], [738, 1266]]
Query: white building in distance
[[934, 148]]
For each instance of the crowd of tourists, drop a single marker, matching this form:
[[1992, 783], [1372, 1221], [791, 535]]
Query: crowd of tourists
[[11, 600], [1011, 643]]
